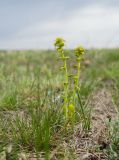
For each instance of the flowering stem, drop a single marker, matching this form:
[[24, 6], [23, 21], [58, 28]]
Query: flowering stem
[[76, 84], [65, 85]]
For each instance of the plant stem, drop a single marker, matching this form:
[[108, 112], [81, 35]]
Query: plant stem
[[65, 85], [76, 83]]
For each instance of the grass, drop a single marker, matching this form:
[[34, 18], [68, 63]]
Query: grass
[[31, 119]]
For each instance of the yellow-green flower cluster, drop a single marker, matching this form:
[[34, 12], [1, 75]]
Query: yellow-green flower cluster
[[59, 44], [79, 51]]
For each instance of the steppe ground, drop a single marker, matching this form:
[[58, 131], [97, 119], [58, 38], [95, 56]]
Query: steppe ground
[[31, 125]]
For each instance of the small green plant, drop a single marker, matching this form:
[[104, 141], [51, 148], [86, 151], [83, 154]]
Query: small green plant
[[79, 51], [59, 44], [70, 102]]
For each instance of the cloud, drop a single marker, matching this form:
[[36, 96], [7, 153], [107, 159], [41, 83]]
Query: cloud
[[91, 24]]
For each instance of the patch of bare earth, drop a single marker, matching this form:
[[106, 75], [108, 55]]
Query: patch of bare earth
[[93, 145]]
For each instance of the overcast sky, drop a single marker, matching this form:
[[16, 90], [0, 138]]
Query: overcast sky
[[34, 24]]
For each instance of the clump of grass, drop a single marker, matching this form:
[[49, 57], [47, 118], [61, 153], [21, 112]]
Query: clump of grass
[[34, 130], [113, 149]]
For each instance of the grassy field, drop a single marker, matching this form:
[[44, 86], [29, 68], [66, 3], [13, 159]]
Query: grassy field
[[31, 121]]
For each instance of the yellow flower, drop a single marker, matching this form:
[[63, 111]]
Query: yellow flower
[[79, 51], [59, 43]]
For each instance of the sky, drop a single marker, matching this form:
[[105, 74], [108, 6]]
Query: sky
[[34, 24]]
